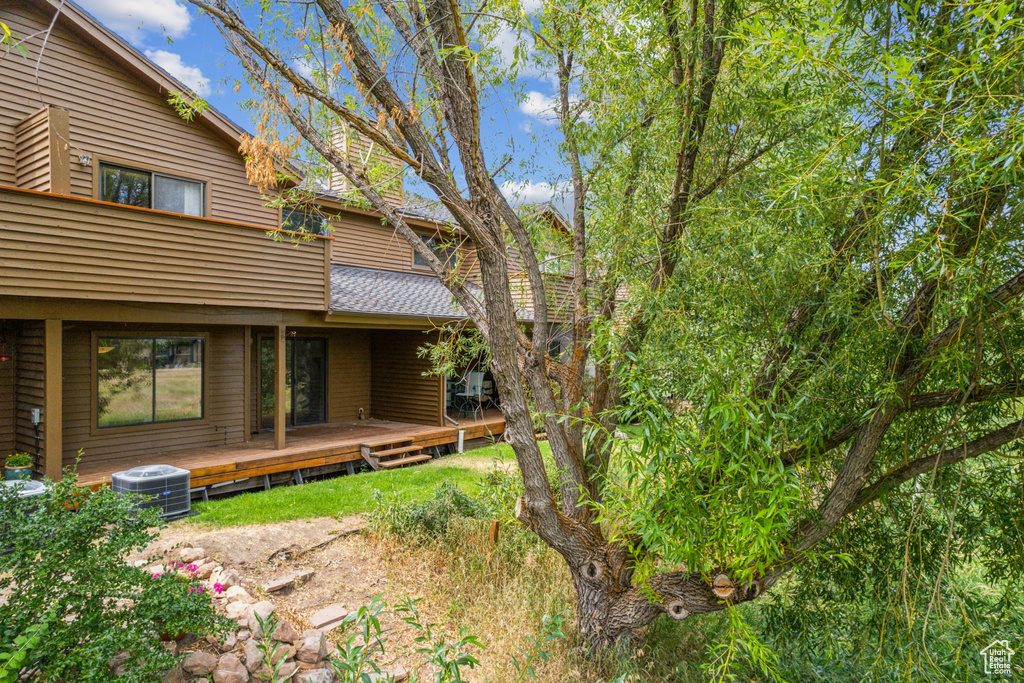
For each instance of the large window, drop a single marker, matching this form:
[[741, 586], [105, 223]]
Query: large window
[[303, 220], [445, 250], [149, 190], [145, 380]]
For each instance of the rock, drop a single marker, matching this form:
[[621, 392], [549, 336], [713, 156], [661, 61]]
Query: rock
[[190, 555], [154, 569], [174, 675], [286, 632], [315, 676], [225, 644], [237, 611], [263, 610], [116, 663], [328, 618], [230, 670], [204, 570], [229, 578], [138, 564], [280, 583], [254, 658], [237, 593], [199, 663], [303, 575], [243, 634], [312, 648]]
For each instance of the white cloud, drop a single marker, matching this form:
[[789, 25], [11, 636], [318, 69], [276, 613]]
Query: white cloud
[[531, 6], [189, 75], [134, 18], [540, 107], [529, 192]]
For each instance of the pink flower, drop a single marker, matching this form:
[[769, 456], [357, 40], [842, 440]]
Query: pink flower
[[196, 589], [218, 587], [178, 564], [192, 567], [156, 576]]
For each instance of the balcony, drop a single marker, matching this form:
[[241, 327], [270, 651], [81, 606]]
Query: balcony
[[67, 247]]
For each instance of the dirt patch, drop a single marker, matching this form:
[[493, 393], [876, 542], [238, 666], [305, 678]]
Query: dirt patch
[[347, 570]]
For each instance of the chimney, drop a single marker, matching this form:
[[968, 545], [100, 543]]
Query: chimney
[[384, 170]]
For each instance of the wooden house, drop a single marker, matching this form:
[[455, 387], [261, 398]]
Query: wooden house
[[153, 308]]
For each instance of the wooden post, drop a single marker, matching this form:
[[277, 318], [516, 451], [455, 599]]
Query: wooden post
[[247, 384], [280, 387], [495, 528], [53, 400]]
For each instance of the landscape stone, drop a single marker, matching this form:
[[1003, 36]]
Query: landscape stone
[[329, 617], [312, 648], [229, 578], [263, 609], [237, 610], [199, 663], [280, 583], [225, 644], [205, 570], [156, 568], [243, 634], [174, 675], [237, 593], [286, 632], [315, 676], [303, 575], [190, 555], [230, 670]]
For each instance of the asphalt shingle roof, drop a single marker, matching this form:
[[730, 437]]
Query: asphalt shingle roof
[[386, 292]]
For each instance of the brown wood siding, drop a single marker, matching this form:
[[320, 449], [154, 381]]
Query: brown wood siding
[[223, 401], [32, 152], [60, 247], [114, 115], [348, 389], [7, 346], [28, 391], [357, 148], [363, 241], [399, 389]]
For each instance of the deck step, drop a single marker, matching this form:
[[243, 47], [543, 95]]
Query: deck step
[[386, 441], [410, 460], [395, 451]]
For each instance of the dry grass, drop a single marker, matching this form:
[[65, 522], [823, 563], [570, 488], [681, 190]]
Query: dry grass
[[500, 593]]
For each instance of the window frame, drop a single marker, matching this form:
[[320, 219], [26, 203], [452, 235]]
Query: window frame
[[308, 212], [442, 238], [94, 422], [153, 171]]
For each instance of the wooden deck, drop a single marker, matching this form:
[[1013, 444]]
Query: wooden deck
[[307, 447]]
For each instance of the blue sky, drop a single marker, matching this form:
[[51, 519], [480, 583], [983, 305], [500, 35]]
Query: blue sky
[[173, 35]]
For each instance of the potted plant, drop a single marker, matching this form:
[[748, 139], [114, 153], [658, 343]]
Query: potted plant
[[18, 466]]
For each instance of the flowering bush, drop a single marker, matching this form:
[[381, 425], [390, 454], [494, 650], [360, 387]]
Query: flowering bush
[[65, 564]]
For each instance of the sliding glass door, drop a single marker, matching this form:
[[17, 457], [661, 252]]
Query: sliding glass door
[[305, 381]]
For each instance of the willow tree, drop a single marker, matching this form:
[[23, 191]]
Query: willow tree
[[706, 145]]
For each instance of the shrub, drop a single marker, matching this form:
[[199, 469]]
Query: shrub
[[426, 521], [63, 566]]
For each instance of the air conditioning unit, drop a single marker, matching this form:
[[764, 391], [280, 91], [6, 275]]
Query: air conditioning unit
[[167, 487]]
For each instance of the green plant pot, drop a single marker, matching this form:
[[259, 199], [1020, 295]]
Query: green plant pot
[[17, 473]]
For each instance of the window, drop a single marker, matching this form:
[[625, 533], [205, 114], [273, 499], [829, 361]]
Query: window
[[302, 220], [445, 250], [149, 190], [305, 398], [145, 380]]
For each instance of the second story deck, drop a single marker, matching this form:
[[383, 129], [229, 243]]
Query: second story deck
[[76, 248]]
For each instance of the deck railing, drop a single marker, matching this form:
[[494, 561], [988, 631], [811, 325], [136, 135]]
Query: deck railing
[[68, 247]]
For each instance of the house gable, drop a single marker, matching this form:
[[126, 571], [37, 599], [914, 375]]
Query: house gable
[[117, 113]]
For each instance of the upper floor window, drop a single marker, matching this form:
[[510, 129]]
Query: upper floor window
[[445, 250], [304, 220], [150, 190]]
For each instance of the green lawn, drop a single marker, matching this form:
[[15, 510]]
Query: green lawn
[[347, 495]]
